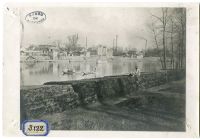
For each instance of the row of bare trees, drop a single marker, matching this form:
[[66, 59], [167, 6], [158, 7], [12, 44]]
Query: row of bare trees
[[168, 29], [71, 43]]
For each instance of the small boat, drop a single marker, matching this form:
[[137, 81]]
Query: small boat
[[87, 73], [68, 71]]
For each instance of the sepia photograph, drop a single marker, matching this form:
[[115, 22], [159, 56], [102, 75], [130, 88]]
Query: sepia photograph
[[104, 68]]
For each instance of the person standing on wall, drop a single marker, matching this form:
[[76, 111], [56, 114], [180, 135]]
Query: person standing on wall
[[137, 71], [136, 75]]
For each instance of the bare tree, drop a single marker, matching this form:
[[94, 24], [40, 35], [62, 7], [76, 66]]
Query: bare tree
[[179, 22], [57, 43], [183, 38], [155, 38], [73, 40], [163, 22], [172, 43]]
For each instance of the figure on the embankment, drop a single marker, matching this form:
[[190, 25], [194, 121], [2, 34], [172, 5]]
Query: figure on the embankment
[[136, 75]]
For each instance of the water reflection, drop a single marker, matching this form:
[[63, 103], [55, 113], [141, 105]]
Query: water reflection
[[41, 72]]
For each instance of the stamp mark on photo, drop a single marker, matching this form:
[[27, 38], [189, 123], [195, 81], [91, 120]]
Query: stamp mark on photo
[[35, 17]]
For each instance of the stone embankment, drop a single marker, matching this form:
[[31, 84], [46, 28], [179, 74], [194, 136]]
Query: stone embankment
[[55, 97]]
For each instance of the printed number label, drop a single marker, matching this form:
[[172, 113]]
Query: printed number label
[[35, 127]]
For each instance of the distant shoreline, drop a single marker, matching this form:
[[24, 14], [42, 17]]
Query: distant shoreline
[[92, 58]]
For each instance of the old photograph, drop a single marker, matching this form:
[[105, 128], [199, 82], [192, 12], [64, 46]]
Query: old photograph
[[104, 68]]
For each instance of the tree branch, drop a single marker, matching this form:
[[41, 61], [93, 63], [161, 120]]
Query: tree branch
[[157, 17]]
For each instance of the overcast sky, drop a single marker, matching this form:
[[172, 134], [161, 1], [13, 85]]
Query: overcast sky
[[100, 25]]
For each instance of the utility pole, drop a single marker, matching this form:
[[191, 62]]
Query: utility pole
[[145, 47], [85, 45], [113, 44], [116, 41]]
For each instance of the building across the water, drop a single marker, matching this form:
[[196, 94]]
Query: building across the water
[[140, 55], [104, 51], [62, 55], [101, 50], [40, 52]]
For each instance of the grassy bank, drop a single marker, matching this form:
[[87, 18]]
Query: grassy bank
[[160, 108]]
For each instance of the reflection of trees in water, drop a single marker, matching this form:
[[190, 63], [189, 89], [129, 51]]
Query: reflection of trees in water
[[27, 65], [52, 71], [107, 68], [139, 64], [41, 68], [76, 66], [104, 68], [86, 66], [125, 66], [83, 67], [131, 66], [151, 66], [59, 69], [117, 68], [93, 66]]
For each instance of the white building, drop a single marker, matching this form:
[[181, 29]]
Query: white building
[[101, 51]]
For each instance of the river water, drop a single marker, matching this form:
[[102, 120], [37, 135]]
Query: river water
[[37, 73]]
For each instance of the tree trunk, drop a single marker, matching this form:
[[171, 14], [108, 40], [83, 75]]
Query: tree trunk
[[179, 55], [172, 44], [164, 48], [158, 49]]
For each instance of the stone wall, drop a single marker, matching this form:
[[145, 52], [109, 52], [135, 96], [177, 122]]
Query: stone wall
[[59, 96], [39, 100], [89, 90]]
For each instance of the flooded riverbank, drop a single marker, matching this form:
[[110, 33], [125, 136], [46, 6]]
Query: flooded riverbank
[[37, 73]]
